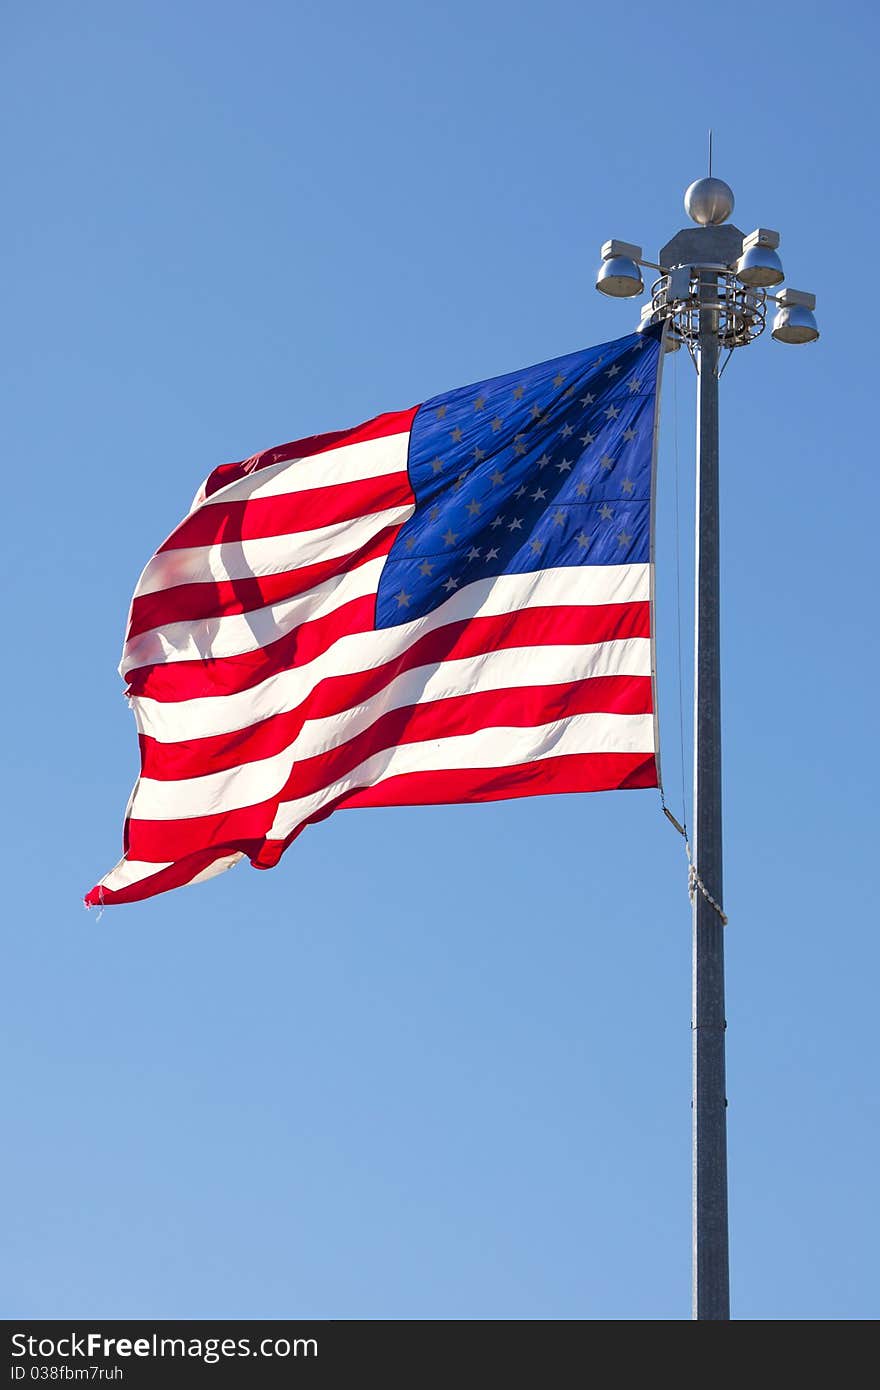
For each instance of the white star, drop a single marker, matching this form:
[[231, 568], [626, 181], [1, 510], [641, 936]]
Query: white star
[[520, 492], [543, 461], [605, 512], [450, 537], [426, 568], [497, 522], [473, 507], [606, 462], [567, 431], [564, 466], [474, 553], [538, 495], [497, 478], [403, 599], [559, 517], [582, 540], [450, 584], [612, 371], [623, 538], [634, 386], [515, 525], [629, 434], [491, 554], [588, 439], [587, 399], [612, 412]]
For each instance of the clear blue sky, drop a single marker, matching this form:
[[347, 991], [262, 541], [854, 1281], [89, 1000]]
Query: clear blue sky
[[437, 1064]]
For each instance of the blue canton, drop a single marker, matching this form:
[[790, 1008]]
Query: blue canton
[[546, 467]]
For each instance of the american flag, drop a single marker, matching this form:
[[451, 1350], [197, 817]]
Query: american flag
[[449, 603]]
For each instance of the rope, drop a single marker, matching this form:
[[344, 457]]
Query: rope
[[695, 883]]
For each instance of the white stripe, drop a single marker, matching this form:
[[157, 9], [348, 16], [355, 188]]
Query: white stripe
[[200, 638], [350, 463], [253, 782], [512, 668], [176, 721], [130, 871], [486, 748], [205, 564], [219, 866]]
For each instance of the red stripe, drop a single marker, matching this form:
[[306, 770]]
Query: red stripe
[[576, 772], [572, 772], [177, 874], [290, 512], [186, 680], [191, 602], [395, 422], [198, 757], [461, 714], [519, 708], [162, 841], [190, 680]]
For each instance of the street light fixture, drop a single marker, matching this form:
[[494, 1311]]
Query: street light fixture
[[795, 321], [619, 274], [711, 296], [759, 265]]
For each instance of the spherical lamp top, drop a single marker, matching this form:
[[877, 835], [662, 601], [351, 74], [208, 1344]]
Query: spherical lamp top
[[709, 202]]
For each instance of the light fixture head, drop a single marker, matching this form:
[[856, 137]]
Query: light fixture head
[[795, 321], [759, 267], [709, 202], [795, 324], [620, 277]]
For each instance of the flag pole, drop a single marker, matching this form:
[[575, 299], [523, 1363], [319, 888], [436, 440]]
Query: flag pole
[[712, 295], [711, 1290]]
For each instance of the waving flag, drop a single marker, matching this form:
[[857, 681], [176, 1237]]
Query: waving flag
[[449, 603]]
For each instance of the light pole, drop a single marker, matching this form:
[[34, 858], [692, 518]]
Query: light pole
[[712, 294]]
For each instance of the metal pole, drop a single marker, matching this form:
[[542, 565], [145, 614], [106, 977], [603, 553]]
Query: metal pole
[[711, 1294], [732, 270]]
